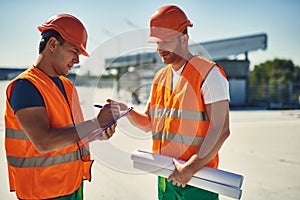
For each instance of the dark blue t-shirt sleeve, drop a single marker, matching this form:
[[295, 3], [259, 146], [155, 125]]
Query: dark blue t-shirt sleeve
[[24, 95]]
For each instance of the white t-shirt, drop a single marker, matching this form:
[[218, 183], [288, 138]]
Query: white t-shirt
[[215, 87]]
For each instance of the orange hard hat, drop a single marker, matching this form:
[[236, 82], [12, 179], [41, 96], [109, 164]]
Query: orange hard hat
[[70, 29], [167, 22]]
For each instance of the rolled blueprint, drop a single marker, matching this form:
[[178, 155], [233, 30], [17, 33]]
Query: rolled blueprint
[[225, 190], [211, 174], [155, 163]]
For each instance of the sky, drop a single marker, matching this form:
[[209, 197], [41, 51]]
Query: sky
[[105, 20]]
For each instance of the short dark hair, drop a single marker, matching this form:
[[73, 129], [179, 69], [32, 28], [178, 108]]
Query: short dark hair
[[46, 35]]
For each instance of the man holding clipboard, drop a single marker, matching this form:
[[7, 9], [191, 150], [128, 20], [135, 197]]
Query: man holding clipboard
[[44, 123]]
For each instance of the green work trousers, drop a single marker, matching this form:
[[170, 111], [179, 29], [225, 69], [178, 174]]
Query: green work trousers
[[77, 195], [168, 191]]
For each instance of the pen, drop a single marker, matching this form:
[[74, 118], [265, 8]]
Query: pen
[[98, 106]]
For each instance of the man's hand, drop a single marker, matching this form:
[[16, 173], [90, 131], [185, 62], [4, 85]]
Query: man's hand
[[138, 119], [107, 114], [122, 106], [108, 133], [181, 175]]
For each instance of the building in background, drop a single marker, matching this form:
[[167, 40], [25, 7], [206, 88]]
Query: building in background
[[136, 70]]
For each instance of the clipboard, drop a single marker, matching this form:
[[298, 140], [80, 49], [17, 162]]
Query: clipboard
[[122, 114]]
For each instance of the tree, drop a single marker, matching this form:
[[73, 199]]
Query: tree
[[275, 80], [275, 71]]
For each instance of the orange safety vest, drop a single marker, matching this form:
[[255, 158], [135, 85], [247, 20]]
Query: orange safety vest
[[179, 119], [41, 176]]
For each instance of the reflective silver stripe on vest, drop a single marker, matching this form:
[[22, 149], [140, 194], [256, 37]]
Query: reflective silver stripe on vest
[[178, 113], [43, 161], [84, 151], [40, 161], [178, 138], [15, 134]]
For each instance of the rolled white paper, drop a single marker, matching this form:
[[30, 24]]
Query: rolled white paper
[[225, 190], [211, 174]]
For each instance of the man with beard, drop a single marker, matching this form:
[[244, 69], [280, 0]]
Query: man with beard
[[188, 110]]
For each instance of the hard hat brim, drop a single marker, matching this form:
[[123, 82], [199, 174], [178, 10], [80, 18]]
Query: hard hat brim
[[83, 51], [161, 34], [153, 40]]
